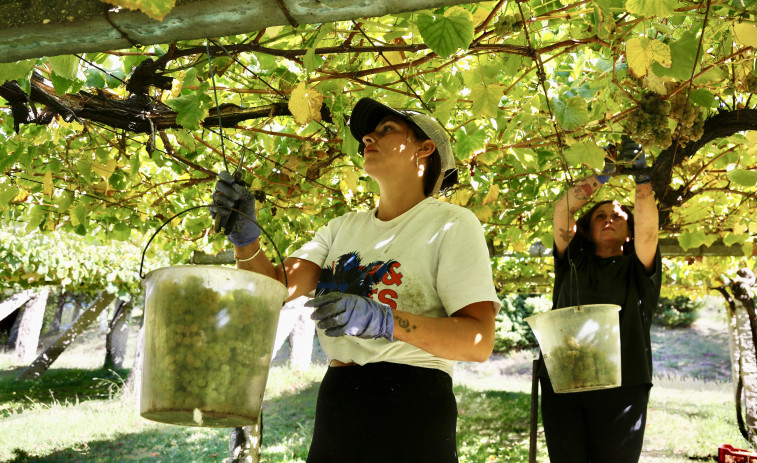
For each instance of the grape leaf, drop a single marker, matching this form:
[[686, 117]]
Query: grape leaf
[[66, 66], [689, 240], [47, 184], [743, 177], [571, 113], [587, 153], [305, 104], [486, 99], [683, 54], [156, 9], [192, 109], [15, 71], [646, 8], [445, 34], [746, 33], [641, 52]]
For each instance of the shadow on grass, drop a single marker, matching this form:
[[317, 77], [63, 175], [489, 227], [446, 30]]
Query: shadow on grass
[[57, 385], [492, 426], [287, 430]]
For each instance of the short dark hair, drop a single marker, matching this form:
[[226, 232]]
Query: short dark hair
[[433, 165], [583, 226]]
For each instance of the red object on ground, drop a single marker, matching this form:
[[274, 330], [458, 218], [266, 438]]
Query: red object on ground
[[728, 454]]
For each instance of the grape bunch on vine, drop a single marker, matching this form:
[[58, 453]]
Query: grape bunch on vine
[[649, 124]]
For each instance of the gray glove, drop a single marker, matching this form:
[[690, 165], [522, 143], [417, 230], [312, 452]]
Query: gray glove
[[232, 193], [632, 152], [347, 314]]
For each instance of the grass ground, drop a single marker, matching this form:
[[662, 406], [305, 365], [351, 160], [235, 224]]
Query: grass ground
[[85, 419]]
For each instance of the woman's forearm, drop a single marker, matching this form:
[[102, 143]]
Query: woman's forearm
[[466, 336], [563, 221]]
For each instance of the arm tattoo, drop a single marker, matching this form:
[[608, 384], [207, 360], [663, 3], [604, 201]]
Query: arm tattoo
[[566, 235], [641, 195], [404, 324], [583, 191]]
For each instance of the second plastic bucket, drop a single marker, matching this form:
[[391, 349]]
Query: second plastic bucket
[[209, 334], [580, 346]]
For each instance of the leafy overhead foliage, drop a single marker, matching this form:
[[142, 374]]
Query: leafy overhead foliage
[[529, 92]]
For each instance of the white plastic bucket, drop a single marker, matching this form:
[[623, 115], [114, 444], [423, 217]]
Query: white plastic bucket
[[209, 334], [580, 346]]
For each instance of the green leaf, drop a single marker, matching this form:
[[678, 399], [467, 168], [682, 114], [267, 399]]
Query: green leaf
[[731, 239], [7, 193], [34, 218], [191, 108], [571, 113], [66, 66], [743, 177], [79, 215], [646, 8], [446, 34], [16, 71], [689, 240], [468, 140], [8, 160], [587, 153], [703, 97], [310, 60], [121, 231], [486, 99], [683, 54]]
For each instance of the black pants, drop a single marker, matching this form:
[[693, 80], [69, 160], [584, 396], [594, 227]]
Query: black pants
[[603, 426], [384, 412]]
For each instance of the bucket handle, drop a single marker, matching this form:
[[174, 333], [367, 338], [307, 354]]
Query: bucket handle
[[144, 251]]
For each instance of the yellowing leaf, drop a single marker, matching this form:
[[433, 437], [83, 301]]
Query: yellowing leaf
[[739, 229], [23, 193], [47, 184], [461, 197], [655, 84], [492, 194], [746, 34], [305, 104], [156, 9], [484, 213], [641, 52], [105, 171], [752, 228]]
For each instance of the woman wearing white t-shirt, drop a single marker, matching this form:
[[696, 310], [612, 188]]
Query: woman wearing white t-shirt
[[402, 291]]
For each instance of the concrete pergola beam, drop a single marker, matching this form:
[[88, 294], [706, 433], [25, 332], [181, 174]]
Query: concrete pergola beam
[[36, 28]]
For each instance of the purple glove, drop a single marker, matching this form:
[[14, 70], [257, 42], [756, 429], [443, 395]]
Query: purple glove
[[230, 192], [347, 314], [609, 168], [630, 151]]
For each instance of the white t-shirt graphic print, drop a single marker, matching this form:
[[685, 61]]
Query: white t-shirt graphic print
[[431, 260]]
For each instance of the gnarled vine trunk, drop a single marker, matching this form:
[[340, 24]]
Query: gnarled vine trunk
[[742, 323]]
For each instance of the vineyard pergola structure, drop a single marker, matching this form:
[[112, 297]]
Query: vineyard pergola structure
[[117, 115]]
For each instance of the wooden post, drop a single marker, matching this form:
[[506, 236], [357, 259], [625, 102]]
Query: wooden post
[[30, 327]]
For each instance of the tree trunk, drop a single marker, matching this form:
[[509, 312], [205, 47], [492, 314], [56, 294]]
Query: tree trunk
[[296, 325], [58, 315], [132, 388], [742, 322], [301, 337], [30, 327], [43, 362], [118, 335], [245, 443]]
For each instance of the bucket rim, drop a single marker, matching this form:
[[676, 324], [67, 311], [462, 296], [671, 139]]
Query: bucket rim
[[591, 307], [212, 267]]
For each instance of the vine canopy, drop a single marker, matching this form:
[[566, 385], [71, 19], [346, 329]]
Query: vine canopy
[[111, 144]]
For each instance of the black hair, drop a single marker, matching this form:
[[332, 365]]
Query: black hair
[[583, 227], [433, 165]]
